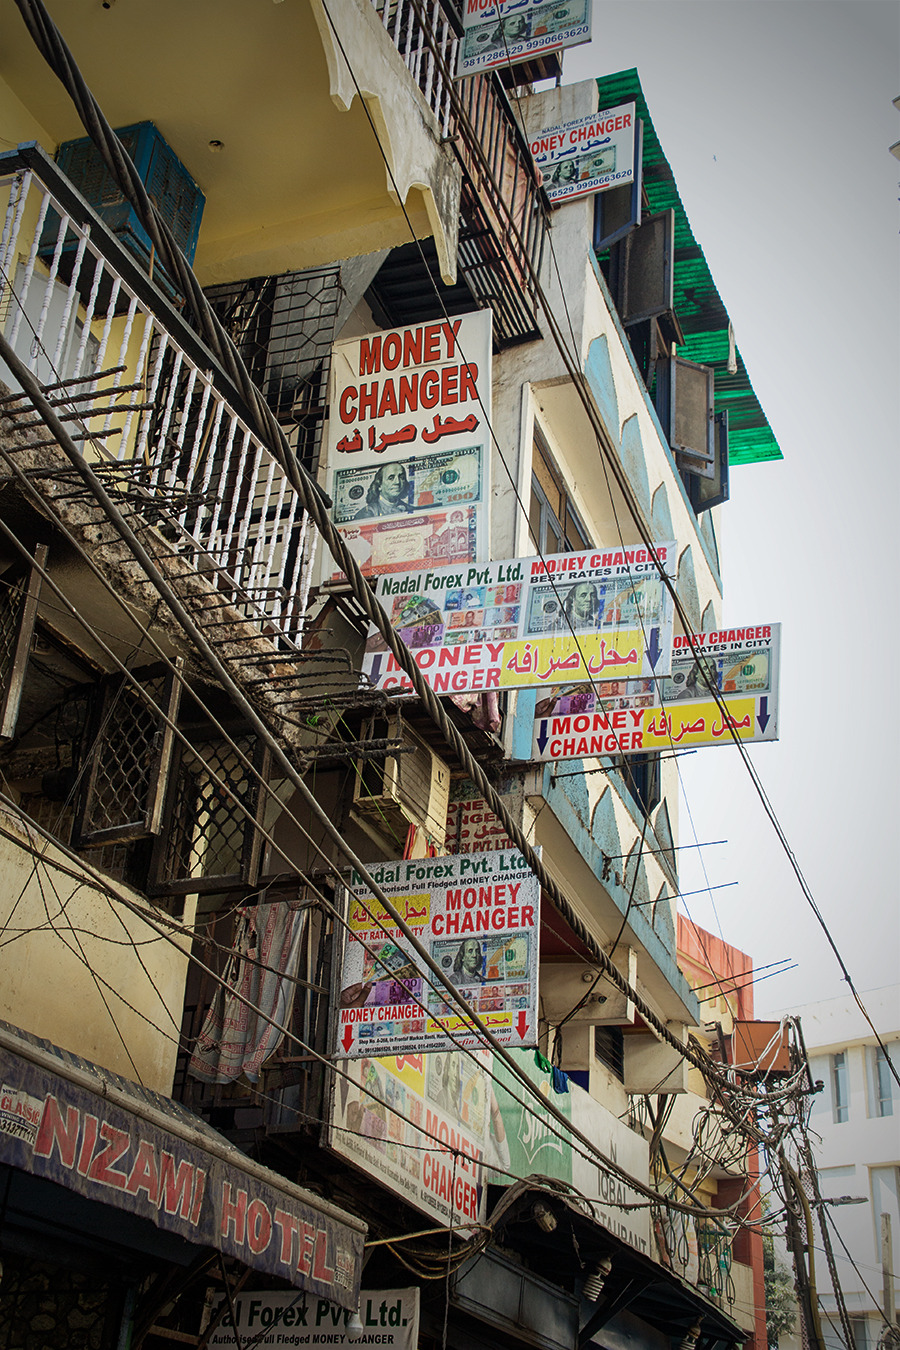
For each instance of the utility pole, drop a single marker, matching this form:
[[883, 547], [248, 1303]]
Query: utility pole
[[799, 1236], [887, 1270]]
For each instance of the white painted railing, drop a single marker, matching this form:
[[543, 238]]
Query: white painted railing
[[81, 315], [416, 43]]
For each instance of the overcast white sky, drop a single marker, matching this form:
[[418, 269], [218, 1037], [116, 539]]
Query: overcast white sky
[[776, 116]]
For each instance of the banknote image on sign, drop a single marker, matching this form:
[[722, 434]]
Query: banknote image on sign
[[577, 721], [408, 444], [503, 32], [427, 1126], [529, 623], [587, 154], [477, 915]]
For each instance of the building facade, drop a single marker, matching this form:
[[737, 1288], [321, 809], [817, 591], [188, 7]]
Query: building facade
[[854, 1132], [224, 733]]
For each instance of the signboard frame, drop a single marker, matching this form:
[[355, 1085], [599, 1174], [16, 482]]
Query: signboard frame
[[493, 36], [409, 446], [676, 711], [461, 907], [271, 1318], [600, 148], [516, 625]]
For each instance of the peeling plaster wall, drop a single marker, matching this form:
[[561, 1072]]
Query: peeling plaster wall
[[406, 127]]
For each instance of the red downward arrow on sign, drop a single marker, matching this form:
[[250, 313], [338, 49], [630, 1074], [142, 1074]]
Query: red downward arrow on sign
[[347, 1038], [521, 1023]]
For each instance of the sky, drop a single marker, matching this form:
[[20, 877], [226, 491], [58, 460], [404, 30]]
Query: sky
[[777, 117]]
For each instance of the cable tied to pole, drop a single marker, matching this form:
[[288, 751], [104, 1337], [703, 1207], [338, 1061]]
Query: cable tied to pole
[[265, 425]]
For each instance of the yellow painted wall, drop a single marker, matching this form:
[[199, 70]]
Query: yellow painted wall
[[18, 124], [59, 928]]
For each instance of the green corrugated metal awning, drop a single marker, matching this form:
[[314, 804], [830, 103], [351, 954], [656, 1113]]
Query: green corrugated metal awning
[[699, 307]]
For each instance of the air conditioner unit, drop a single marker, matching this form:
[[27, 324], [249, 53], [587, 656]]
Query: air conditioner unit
[[169, 186], [410, 788], [570, 985]]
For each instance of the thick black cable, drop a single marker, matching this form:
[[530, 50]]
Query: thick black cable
[[189, 626], [52, 46]]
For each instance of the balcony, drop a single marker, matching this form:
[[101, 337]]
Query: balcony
[[146, 401], [269, 111], [503, 215]]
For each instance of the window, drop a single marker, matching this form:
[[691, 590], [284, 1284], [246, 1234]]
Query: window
[[617, 211], [684, 395], [555, 526], [859, 1325], [609, 1048], [283, 327], [881, 1083], [642, 778], [840, 1093]]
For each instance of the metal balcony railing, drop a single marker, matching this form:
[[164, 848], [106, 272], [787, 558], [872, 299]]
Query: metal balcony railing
[[503, 217], [288, 1096], [428, 43], [139, 389]]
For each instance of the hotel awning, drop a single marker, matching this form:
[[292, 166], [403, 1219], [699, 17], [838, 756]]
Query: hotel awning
[[110, 1141]]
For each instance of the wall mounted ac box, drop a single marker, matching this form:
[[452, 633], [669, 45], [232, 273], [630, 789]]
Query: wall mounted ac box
[[410, 788], [169, 186]]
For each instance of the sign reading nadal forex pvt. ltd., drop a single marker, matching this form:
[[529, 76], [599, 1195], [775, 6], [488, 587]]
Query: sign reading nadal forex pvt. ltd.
[[477, 916], [531, 622]]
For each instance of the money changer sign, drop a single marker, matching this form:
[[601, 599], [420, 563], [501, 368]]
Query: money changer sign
[[408, 444], [529, 623], [579, 721], [588, 154], [478, 917], [504, 32], [270, 1318]]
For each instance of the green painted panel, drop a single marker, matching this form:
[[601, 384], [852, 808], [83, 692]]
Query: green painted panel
[[703, 317]]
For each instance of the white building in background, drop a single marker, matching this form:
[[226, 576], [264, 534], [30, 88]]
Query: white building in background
[[855, 1133]]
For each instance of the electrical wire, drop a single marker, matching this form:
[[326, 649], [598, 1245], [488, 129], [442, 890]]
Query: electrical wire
[[95, 118], [608, 456]]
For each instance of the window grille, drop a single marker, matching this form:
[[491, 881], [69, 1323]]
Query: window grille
[[12, 599], [714, 1261], [283, 327], [209, 838], [609, 1048], [126, 779], [292, 1081], [18, 611]]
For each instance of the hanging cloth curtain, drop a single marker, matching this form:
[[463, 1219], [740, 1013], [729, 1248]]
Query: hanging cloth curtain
[[235, 1039]]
